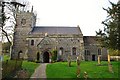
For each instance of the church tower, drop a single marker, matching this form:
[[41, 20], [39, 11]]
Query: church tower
[[25, 21]]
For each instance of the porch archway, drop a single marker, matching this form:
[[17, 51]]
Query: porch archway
[[46, 57]]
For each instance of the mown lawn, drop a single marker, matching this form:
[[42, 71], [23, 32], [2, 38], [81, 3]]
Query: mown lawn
[[30, 66], [61, 70]]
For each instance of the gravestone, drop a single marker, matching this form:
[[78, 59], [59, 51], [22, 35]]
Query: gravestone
[[98, 59], [69, 61], [85, 75], [78, 65], [110, 68], [108, 59]]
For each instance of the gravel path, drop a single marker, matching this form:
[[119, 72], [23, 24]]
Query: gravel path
[[40, 72]]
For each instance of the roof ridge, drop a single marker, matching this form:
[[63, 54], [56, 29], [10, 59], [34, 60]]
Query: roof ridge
[[55, 30], [57, 26]]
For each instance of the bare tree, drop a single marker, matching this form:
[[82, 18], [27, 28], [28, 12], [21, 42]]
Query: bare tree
[[9, 10]]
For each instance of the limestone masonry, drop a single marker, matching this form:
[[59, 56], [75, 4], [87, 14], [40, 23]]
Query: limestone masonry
[[30, 40]]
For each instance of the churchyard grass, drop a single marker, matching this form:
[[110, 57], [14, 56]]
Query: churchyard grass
[[30, 66], [61, 70]]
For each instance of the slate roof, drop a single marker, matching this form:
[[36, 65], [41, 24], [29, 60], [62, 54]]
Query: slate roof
[[89, 40], [56, 30]]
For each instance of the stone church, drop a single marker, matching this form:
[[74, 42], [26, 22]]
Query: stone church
[[31, 40]]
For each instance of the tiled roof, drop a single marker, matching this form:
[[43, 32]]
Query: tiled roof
[[89, 40], [56, 30]]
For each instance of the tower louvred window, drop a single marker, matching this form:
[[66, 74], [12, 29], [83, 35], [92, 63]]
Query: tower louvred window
[[23, 22], [32, 42]]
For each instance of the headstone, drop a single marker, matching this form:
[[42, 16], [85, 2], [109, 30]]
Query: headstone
[[110, 68], [98, 59], [85, 75], [78, 72], [108, 59], [69, 61], [78, 66], [78, 61]]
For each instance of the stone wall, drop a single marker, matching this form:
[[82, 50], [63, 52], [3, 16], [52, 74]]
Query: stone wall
[[67, 42], [93, 50], [21, 33], [0, 59], [23, 37]]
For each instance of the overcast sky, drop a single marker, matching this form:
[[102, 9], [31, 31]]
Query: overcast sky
[[88, 14]]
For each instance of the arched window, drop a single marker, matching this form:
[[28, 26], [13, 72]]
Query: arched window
[[87, 52], [74, 51], [61, 51], [99, 51], [23, 21], [32, 42], [20, 54]]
